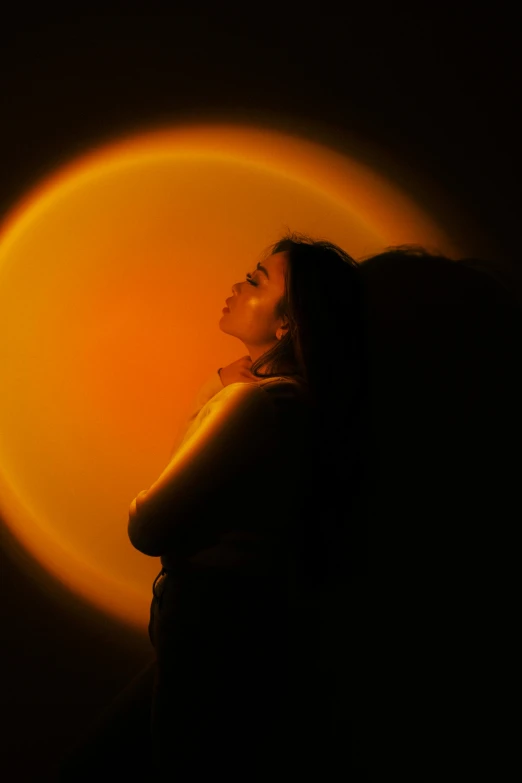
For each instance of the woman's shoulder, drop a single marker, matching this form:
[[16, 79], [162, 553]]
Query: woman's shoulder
[[289, 384], [283, 393], [286, 388]]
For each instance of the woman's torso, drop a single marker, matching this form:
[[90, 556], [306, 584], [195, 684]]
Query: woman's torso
[[256, 507]]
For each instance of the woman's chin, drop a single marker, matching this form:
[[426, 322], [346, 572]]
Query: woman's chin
[[222, 322]]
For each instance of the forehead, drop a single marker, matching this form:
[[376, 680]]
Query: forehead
[[276, 264]]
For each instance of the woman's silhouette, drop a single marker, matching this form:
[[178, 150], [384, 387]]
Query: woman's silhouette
[[339, 484], [245, 520]]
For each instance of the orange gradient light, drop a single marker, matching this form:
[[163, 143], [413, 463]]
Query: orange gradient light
[[113, 274]]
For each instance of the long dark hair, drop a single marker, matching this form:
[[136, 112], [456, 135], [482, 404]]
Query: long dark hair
[[323, 304], [324, 350]]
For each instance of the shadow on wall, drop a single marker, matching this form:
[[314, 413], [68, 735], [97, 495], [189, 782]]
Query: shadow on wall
[[445, 341]]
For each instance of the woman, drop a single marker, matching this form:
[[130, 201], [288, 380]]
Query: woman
[[246, 521]]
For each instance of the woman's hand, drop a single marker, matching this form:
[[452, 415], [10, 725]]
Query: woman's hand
[[134, 505], [238, 372]]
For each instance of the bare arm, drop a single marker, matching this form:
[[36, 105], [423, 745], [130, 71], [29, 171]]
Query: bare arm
[[239, 429]]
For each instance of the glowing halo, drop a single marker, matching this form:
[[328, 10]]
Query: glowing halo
[[99, 346]]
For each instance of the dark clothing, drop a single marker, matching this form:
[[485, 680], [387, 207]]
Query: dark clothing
[[214, 702], [237, 689], [221, 648]]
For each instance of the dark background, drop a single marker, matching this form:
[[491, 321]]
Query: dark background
[[436, 96]]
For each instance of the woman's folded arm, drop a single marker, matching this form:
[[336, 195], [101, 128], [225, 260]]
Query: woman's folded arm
[[177, 511]]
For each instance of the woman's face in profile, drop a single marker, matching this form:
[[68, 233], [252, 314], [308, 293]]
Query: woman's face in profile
[[251, 315]]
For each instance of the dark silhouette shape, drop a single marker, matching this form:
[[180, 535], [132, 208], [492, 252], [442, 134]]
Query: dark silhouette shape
[[444, 340], [362, 643]]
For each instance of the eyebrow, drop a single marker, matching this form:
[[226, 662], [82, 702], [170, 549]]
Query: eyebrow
[[262, 269]]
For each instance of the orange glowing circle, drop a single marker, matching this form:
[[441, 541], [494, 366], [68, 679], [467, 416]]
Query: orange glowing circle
[[113, 273]]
